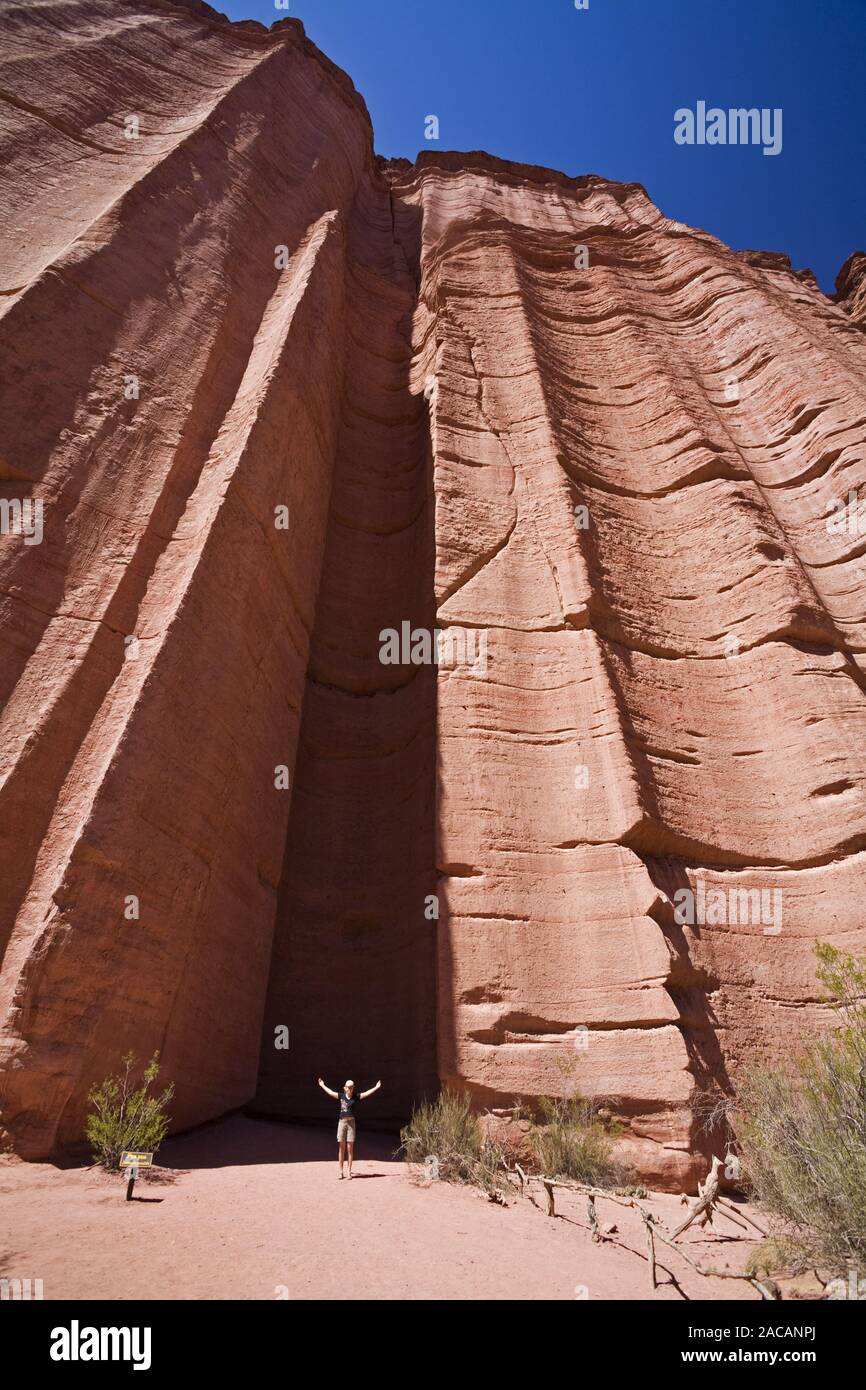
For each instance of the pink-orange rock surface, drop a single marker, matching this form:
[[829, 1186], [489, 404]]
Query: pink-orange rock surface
[[276, 397]]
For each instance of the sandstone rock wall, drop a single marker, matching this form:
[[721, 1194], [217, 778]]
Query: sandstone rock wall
[[147, 767], [633, 466], [607, 486]]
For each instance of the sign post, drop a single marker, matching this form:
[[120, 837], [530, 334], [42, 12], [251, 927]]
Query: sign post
[[130, 1162]]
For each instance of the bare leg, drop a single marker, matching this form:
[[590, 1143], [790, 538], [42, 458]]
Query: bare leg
[[342, 1146], [351, 1151]]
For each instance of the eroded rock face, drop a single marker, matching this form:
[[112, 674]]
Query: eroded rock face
[[278, 398], [851, 287]]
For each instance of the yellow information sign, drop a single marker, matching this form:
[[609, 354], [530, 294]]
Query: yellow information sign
[[135, 1160]]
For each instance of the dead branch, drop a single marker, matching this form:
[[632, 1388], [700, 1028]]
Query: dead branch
[[593, 1218], [702, 1208], [728, 1206], [654, 1228], [549, 1185], [766, 1288], [650, 1248]]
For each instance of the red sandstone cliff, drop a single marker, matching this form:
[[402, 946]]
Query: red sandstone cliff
[[618, 477]]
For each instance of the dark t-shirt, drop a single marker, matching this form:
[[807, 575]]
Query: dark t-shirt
[[347, 1103]]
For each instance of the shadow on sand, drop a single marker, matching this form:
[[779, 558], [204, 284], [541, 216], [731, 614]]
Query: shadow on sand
[[240, 1140]]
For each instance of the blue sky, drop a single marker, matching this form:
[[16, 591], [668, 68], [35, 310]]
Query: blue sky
[[594, 91]]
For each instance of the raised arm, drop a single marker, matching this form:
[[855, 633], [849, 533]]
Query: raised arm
[[328, 1091], [372, 1091]]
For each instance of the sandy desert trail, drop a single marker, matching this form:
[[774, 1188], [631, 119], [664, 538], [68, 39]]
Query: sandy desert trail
[[254, 1210]]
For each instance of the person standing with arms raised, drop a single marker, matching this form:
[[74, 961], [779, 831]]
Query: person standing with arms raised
[[346, 1125]]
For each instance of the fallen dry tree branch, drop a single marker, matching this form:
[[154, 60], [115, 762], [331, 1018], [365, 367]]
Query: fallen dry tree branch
[[729, 1207], [654, 1229], [650, 1248], [765, 1287], [708, 1193], [593, 1218]]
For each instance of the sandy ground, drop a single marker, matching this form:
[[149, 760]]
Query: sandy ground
[[251, 1210]]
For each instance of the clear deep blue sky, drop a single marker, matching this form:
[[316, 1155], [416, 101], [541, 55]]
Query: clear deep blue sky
[[595, 91]]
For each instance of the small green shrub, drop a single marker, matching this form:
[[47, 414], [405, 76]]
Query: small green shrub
[[126, 1117], [448, 1131], [568, 1141], [572, 1142], [801, 1129]]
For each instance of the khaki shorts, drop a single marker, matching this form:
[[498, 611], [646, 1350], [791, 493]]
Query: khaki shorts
[[346, 1129]]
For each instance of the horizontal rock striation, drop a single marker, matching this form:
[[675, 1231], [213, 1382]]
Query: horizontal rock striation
[[277, 397]]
